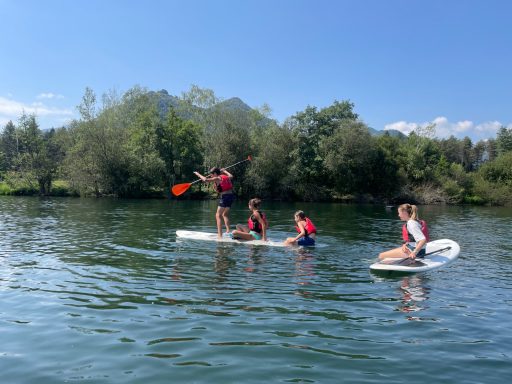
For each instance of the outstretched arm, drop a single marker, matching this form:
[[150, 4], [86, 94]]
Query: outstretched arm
[[226, 173], [206, 179], [203, 178]]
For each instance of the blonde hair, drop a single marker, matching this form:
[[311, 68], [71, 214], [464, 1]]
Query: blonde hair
[[412, 210], [300, 214]]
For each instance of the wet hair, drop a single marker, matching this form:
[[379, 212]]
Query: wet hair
[[215, 171], [301, 214], [412, 210], [255, 203]]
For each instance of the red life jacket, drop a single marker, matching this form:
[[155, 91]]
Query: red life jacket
[[406, 235], [225, 184], [254, 224], [309, 227]]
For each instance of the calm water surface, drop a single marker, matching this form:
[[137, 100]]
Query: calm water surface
[[100, 291]]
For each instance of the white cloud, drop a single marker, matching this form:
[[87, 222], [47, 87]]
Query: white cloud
[[444, 128], [12, 110], [402, 126], [49, 95]]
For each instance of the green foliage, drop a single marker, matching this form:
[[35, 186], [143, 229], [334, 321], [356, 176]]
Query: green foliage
[[131, 146], [349, 155], [504, 140], [268, 175], [311, 127], [420, 155]]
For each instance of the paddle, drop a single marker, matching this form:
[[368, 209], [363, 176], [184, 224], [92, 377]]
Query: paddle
[[400, 260], [180, 189]]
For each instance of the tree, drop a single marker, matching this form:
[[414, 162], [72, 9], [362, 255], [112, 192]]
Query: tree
[[269, 171], [180, 145], [348, 156], [504, 140], [9, 146], [97, 162], [310, 128], [420, 155]]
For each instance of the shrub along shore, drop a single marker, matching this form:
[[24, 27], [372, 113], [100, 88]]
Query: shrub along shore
[[141, 143]]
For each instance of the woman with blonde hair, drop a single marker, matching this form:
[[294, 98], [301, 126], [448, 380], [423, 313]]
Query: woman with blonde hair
[[414, 234]]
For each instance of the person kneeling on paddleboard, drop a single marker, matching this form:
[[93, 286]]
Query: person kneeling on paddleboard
[[222, 180], [257, 224], [414, 234], [306, 229]]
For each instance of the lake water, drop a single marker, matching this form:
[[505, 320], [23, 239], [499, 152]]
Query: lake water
[[100, 291]]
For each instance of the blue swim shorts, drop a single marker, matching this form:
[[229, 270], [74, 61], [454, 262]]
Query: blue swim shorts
[[256, 235], [306, 241], [226, 200], [420, 254]]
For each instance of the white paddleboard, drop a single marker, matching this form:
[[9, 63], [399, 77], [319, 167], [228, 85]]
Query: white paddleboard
[[448, 251], [208, 236]]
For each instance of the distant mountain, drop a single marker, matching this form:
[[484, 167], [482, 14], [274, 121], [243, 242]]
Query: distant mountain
[[234, 104], [391, 132], [164, 101]]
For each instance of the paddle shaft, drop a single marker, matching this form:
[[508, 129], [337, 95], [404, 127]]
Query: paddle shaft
[[229, 166], [182, 188]]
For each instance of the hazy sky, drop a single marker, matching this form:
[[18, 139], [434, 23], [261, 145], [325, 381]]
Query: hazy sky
[[403, 63]]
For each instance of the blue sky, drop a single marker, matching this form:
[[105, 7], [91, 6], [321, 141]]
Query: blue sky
[[403, 63]]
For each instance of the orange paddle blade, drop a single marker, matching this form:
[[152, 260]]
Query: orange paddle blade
[[180, 189]]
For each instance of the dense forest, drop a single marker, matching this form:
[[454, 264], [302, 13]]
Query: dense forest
[[142, 142]]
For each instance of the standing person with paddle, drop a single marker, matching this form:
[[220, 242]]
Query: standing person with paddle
[[222, 180], [414, 234]]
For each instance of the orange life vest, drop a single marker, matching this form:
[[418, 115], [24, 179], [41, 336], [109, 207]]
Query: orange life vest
[[309, 227], [225, 184]]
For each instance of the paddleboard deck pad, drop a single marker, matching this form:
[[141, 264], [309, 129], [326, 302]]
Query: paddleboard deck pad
[[448, 251], [209, 236]]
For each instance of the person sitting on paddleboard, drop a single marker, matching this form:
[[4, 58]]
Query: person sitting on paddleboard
[[222, 180], [306, 229], [257, 224], [414, 234]]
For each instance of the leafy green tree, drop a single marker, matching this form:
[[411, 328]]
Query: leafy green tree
[[386, 175], [504, 140], [420, 155], [311, 127], [349, 154], [268, 175], [180, 145], [97, 163], [9, 146]]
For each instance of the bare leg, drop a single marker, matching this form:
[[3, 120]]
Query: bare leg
[[242, 228], [242, 235], [219, 222], [225, 216], [290, 241], [397, 252]]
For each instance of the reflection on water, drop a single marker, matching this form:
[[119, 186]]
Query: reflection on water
[[100, 291], [414, 295]]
